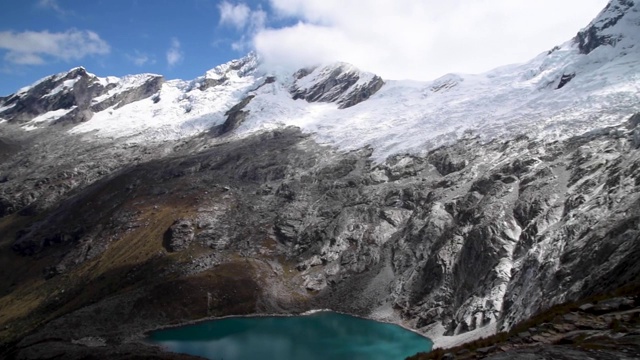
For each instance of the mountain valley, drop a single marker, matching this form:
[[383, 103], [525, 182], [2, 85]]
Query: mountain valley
[[457, 208]]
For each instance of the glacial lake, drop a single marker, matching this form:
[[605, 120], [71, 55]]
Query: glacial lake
[[324, 335]]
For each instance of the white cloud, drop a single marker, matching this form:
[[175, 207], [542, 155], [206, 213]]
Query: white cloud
[[140, 58], [241, 16], [24, 58], [32, 47], [174, 54], [53, 5], [235, 15], [241, 45], [257, 20], [421, 39]]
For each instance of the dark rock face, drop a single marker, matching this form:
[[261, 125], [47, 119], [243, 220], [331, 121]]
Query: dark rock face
[[151, 86], [180, 235], [593, 37], [74, 91], [235, 116], [564, 80], [75, 88], [361, 92], [209, 83], [335, 84], [447, 163]]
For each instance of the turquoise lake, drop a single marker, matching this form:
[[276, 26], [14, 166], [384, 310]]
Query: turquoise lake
[[324, 335]]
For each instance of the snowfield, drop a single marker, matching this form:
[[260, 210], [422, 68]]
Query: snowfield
[[560, 93]]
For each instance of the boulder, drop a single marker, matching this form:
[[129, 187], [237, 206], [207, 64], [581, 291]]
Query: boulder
[[179, 236], [315, 282]]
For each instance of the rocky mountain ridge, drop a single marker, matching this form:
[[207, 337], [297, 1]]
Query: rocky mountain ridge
[[555, 95], [74, 97], [602, 30]]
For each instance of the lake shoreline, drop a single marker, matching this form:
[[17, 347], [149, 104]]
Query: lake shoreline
[[291, 334], [276, 315]]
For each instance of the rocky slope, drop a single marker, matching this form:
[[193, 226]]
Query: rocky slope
[[446, 243], [608, 328], [170, 193]]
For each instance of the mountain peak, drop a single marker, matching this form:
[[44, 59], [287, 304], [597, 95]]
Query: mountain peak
[[74, 96], [617, 21], [240, 67], [237, 68]]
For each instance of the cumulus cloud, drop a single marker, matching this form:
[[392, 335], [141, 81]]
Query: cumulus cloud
[[241, 16], [174, 54], [420, 39], [235, 15], [33, 48]]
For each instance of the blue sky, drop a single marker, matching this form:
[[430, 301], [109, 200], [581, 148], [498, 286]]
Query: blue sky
[[179, 39], [397, 39]]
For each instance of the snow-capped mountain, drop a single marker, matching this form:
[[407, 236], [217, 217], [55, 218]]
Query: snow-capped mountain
[[456, 207], [590, 81], [74, 97]]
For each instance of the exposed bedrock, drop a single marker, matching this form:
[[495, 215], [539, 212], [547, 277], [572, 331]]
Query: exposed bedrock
[[468, 235]]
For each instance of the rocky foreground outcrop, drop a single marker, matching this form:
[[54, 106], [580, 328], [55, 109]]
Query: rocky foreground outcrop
[[598, 329]]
